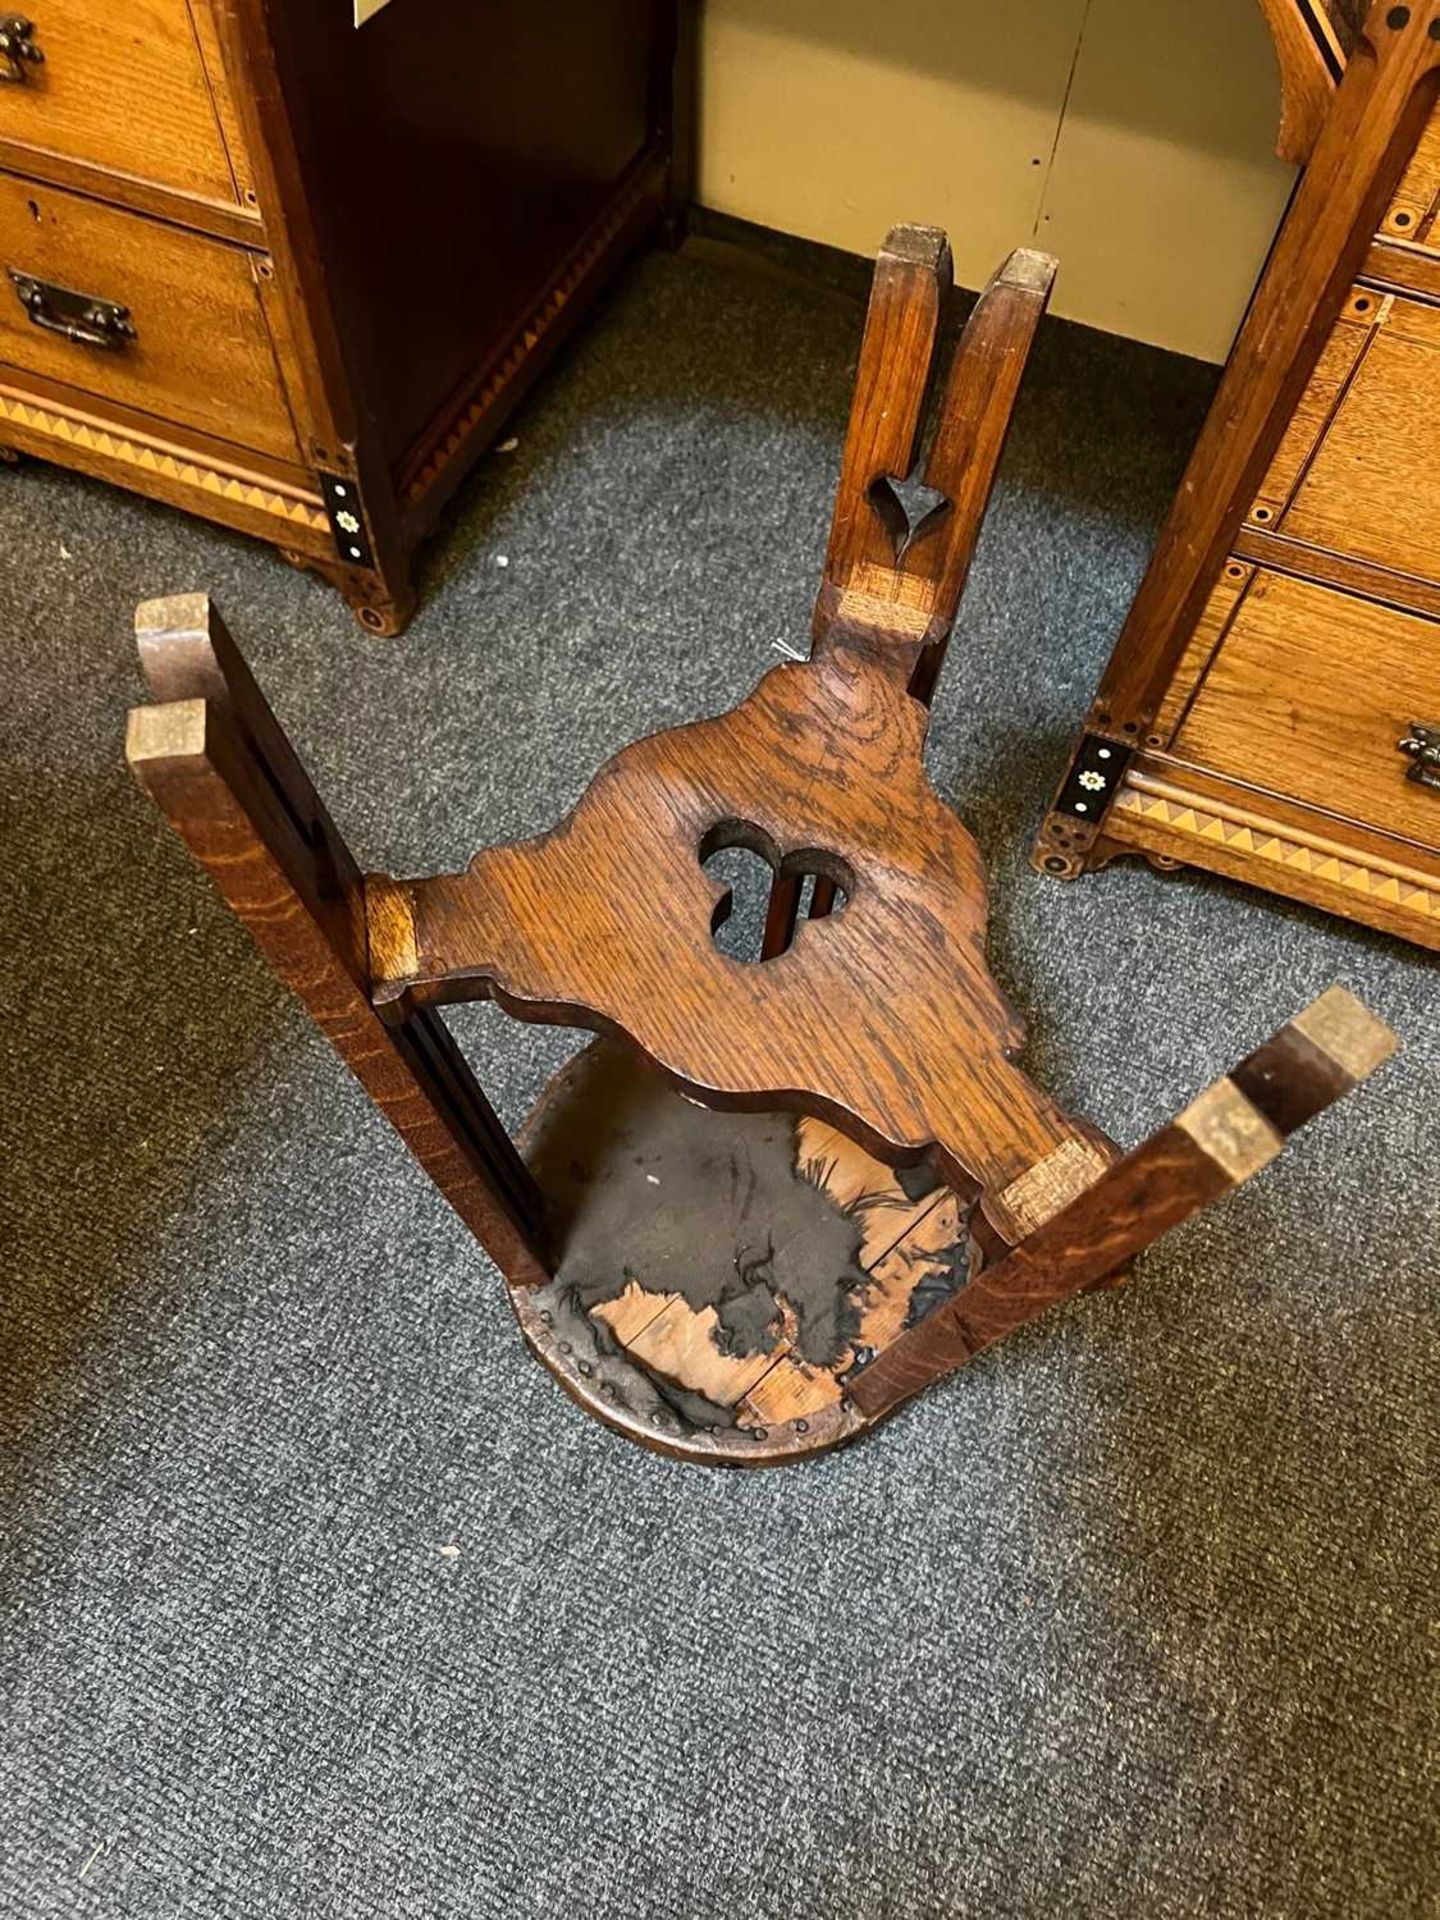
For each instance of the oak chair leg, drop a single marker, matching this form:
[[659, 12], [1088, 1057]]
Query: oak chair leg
[[889, 585], [784, 909], [781, 914], [822, 897], [1236, 1127], [216, 762]]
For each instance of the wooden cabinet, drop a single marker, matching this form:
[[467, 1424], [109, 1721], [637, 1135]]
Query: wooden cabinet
[[1272, 708], [199, 352], [291, 274]]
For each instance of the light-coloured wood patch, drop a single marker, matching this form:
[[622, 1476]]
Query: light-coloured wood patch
[[882, 597], [1230, 1130], [1345, 1028], [1053, 1183]]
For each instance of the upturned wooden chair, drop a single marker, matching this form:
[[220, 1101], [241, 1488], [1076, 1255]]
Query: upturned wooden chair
[[701, 1268]]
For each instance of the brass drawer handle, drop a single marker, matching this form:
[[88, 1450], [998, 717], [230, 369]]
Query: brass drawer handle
[[81, 317], [1423, 746], [18, 51]]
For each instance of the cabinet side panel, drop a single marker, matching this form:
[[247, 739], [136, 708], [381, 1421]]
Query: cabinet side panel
[[452, 155]]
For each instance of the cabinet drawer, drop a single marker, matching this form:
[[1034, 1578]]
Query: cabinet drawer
[[1359, 468], [1308, 696], [121, 87], [201, 355]]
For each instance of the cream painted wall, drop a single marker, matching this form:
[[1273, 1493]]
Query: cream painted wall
[[1134, 142]]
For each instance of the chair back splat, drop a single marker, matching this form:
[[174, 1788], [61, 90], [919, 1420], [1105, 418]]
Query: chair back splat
[[869, 1189]]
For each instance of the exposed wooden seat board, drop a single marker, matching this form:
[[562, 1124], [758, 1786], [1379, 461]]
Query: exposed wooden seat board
[[839, 1185]]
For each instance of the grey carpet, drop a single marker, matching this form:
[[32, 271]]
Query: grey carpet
[[1136, 1618]]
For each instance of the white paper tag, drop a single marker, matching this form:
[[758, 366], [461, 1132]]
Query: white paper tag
[[364, 9]]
